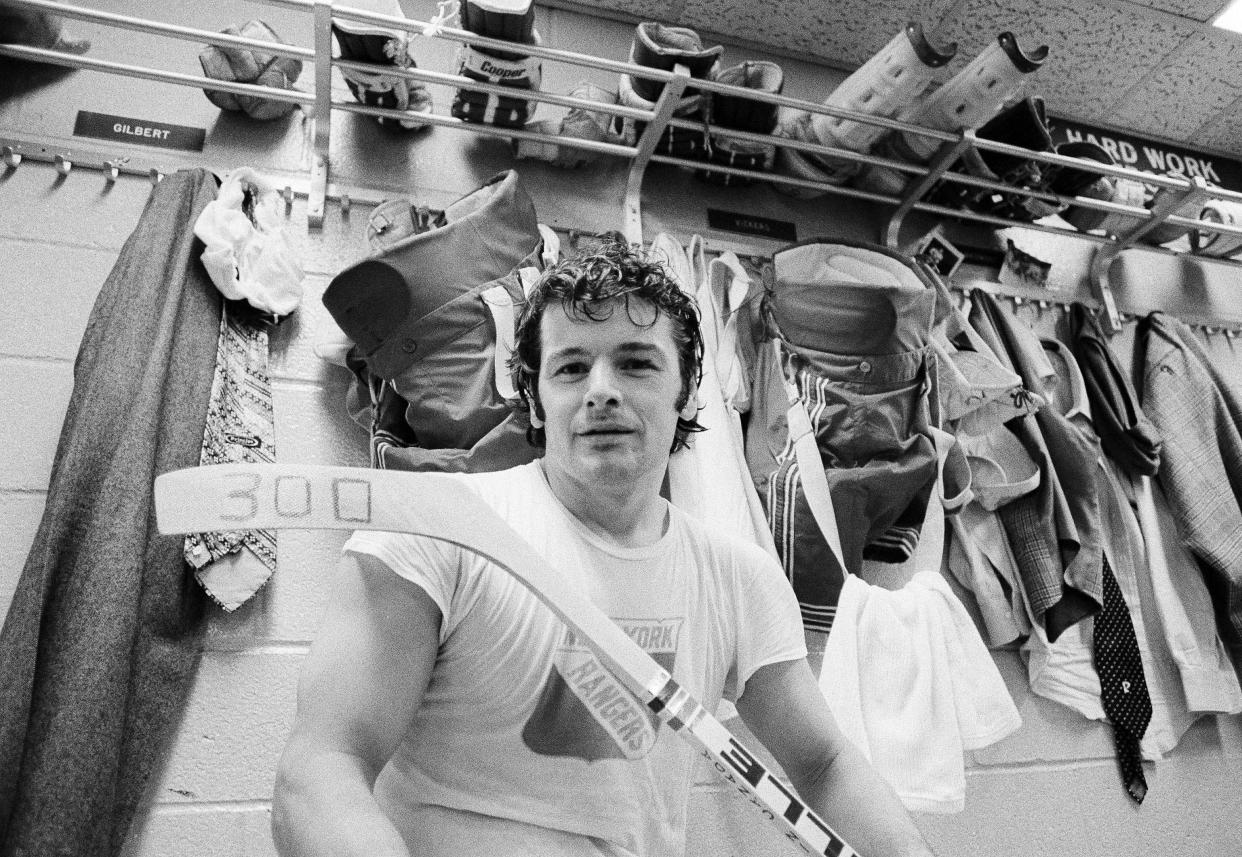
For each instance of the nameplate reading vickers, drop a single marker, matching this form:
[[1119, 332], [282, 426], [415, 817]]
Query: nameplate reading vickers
[[749, 224], [145, 132]]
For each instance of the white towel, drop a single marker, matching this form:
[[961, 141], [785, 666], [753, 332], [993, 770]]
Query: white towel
[[247, 255], [913, 686]]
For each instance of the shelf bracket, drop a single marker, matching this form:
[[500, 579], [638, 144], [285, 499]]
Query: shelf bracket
[[317, 195], [944, 158], [1167, 202], [669, 99]]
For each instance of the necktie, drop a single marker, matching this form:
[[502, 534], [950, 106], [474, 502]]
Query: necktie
[[239, 428], [1122, 683]]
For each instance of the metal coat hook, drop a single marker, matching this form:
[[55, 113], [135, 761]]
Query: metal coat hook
[[11, 158], [287, 193], [112, 169], [63, 165], [155, 176], [346, 204]]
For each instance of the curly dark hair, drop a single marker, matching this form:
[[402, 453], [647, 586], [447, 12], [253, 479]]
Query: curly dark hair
[[583, 286]]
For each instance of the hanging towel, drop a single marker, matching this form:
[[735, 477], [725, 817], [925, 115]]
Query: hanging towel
[[248, 255], [912, 685]]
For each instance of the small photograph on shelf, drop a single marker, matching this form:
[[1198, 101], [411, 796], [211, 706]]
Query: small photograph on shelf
[[934, 251], [1020, 268]]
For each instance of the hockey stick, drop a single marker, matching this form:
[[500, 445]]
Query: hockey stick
[[253, 496]]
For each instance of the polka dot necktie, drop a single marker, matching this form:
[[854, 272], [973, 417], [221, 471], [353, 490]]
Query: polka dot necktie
[[1122, 683]]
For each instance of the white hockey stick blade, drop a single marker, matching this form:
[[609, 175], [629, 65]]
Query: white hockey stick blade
[[281, 496]]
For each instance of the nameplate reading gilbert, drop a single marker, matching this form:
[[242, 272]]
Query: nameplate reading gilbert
[[345, 500], [144, 132]]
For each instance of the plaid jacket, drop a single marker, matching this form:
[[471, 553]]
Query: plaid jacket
[[1200, 418]]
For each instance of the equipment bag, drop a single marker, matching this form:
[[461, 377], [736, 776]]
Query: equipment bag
[[840, 441]]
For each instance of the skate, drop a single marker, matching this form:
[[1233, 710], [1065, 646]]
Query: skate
[[658, 46], [743, 114]]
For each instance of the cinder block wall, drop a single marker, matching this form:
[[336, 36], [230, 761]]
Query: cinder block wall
[[1048, 790]]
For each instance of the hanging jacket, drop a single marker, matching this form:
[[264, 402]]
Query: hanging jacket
[[99, 649], [1126, 434], [1055, 530], [1199, 415]]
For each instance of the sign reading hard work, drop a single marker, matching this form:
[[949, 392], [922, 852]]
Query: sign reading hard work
[[1151, 157], [127, 129], [749, 224]]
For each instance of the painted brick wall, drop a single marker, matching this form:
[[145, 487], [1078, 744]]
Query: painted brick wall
[[1050, 789]]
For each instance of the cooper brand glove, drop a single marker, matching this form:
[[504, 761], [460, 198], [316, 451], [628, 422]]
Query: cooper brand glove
[[514, 21]]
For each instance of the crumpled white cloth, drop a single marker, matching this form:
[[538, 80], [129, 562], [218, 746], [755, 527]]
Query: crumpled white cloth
[[248, 256], [913, 686]]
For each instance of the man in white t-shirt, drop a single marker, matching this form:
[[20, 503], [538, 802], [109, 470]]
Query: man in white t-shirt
[[444, 711]]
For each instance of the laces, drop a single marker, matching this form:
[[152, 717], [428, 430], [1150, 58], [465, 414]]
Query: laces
[[446, 12], [705, 110]]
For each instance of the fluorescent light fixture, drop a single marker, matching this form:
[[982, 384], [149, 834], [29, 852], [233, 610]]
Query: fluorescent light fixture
[[1230, 18]]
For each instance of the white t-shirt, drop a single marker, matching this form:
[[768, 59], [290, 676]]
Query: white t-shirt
[[503, 747]]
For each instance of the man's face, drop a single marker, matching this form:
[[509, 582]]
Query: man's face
[[609, 392]]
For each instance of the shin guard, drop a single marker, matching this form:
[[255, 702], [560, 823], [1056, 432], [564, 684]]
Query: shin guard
[[970, 98]]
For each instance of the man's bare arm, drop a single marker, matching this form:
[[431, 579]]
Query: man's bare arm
[[361, 685], [784, 708]]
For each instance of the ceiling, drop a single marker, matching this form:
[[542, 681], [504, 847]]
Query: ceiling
[[1155, 68]]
